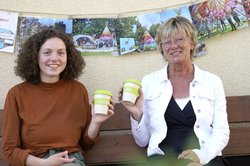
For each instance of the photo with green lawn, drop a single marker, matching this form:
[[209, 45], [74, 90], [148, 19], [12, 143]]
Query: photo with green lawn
[[136, 34], [95, 36]]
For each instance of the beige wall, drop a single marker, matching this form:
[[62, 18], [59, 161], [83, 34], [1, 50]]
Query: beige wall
[[228, 55]]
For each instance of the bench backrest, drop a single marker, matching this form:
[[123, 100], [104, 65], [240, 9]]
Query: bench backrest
[[238, 109], [120, 121]]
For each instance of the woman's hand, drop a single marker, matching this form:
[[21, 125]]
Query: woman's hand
[[54, 160], [58, 159], [190, 155], [136, 109], [99, 118]]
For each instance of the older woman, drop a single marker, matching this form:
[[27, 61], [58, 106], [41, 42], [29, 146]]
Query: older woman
[[181, 112]]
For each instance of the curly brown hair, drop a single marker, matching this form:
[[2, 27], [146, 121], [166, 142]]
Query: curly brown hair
[[27, 61]]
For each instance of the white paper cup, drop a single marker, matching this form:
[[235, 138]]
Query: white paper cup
[[101, 101], [130, 91]]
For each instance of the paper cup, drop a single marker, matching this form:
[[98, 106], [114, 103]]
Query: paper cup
[[101, 101], [130, 91]]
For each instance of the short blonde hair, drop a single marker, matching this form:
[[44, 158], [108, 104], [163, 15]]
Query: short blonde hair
[[172, 27]]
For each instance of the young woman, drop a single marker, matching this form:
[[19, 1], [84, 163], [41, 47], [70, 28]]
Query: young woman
[[48, 120]]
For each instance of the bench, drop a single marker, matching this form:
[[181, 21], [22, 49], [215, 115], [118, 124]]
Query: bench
[[116, 145]]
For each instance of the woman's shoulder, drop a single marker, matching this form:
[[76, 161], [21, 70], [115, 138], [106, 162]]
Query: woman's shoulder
[[205, 75], [155, 74], [209, 76], [20, 85], [20, 88]]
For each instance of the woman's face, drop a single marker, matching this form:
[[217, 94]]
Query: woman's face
[[52, 59], [176, 48]]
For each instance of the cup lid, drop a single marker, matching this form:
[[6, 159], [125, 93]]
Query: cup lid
[[102, 91], [133, 81]]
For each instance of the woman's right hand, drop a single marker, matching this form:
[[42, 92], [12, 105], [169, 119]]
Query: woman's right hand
[[136, 109]]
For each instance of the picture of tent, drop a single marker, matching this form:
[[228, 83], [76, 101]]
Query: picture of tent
[[84, 42], [106, 39], [148, 42], [95, 36]]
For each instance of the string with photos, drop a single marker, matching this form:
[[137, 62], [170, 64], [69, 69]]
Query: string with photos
[[102, 15]]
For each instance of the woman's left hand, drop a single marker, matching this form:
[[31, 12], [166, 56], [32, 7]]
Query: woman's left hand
[[99, 118], [190, 155]]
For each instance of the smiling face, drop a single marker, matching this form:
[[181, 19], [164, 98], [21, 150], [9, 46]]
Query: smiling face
[[177, 39], [177, 48], [52, 59]]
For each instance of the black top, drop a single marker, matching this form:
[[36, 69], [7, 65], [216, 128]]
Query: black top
[[180, 135]]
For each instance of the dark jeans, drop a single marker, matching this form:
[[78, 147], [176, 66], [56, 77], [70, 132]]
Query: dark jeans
[[171, 160], [218, 161]]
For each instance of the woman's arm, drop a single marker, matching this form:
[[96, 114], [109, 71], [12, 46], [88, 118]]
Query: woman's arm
[[97, 119], [11, 141]]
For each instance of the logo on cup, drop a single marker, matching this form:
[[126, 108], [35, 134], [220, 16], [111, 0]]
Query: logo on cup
[[101, 101], [130, 91]]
